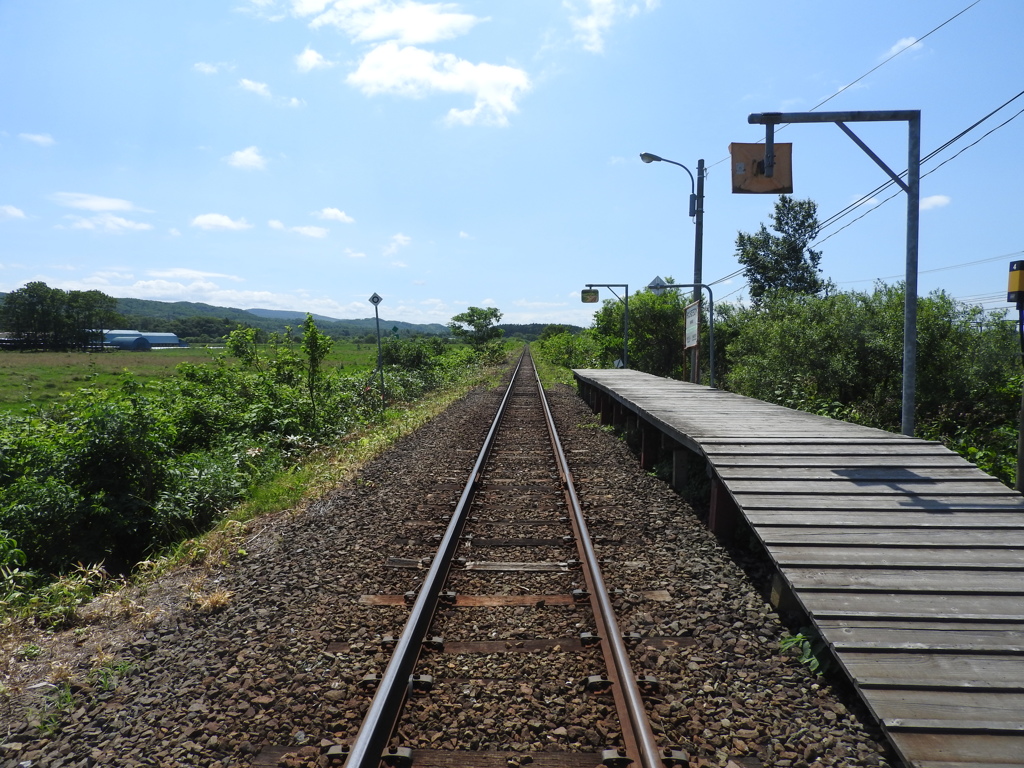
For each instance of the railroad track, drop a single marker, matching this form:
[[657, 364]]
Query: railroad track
[[513, 614]]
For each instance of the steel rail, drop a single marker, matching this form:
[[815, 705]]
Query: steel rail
[[636, 727], [386, 705]]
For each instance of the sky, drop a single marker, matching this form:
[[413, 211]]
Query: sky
[[306, 154]]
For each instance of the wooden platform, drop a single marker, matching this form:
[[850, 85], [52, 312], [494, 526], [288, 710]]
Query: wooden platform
[[907, 558]]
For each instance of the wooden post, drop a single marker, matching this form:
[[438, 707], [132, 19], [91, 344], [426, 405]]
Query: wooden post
[[724, 517], [680, 467]]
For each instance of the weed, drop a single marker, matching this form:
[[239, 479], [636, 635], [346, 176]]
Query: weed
[[212, 602], [58, 703], [813, 650], [28, 652], [109, 671]]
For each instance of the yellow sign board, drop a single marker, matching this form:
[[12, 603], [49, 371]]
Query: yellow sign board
[[748, 169]]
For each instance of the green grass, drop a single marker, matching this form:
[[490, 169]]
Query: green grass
[[38, 379]]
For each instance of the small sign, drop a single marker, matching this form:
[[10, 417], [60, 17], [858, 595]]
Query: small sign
[[748, 169], [657, 286], [589, 295], [376, 299], [692, 325]]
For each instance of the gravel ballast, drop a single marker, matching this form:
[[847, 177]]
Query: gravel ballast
[[180, 681]]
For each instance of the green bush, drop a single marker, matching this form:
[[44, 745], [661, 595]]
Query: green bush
[[109, 476]]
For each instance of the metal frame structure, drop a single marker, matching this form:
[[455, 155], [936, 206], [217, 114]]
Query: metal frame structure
[[656, 287], [912, 187], [625, 318]]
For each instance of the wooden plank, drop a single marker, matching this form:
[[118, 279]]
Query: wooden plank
[[965, 706], [912, 461], [848, 605], [894, 502], [908, 637], [887, 518], [961, 751], [463, 758], [907, 580], [823, 489], [793, 447], [897, 473], [894, 537], [787, 555], [988, 672]]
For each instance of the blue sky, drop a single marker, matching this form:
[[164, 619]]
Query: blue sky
[[304, 154]]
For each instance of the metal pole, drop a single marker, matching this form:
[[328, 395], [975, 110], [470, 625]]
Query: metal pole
[[380, 365], [625, 331], [910, 299], [698, 258]]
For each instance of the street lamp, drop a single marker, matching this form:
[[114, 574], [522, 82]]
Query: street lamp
[[697, 214]]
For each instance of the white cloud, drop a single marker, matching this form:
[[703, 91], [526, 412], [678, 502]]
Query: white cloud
[[262, 89], [935, 201], [599, 17], [334, 214], [10, 212], [305, 231], [108, 222], [205, 68], [251, 85], [248, 158], [311, 231], [354, 254], [219, 221], [464, 235], [309, 7], [415, 72], [92, 202], [399, 264], [174, 232], [42, 139], [397, 241], [309, 60], [407, 21], [903, 44], [181, 273]]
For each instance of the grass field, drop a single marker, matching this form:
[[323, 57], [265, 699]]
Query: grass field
[[29, 379]]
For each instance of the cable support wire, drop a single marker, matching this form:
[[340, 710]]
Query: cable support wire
[[852, 206], [881, 64]]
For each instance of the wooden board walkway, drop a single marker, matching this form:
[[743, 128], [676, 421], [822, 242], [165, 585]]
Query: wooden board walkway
[[908, 559]]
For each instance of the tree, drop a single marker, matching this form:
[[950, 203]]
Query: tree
[[51, 318], [476, 326], [317, 346], [784, 261]]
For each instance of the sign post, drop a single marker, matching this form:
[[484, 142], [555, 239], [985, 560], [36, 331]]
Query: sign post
[[376, 300]]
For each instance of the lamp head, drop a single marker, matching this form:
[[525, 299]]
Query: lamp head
[[647, 157]]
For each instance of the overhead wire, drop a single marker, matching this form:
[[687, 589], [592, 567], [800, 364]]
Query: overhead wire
[[889, 183], [873, 69]]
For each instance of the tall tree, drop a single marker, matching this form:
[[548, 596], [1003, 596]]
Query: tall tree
[[783, 261], [477, 326], [49, 317]]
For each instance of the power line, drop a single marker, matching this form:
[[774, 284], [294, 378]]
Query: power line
[[893, 56], [938, 269], [885, 185], [882, 64]]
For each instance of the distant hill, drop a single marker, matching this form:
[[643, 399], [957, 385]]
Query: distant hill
[[270, 320], [530, 331]]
